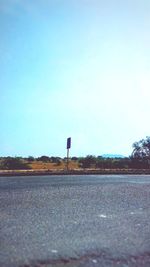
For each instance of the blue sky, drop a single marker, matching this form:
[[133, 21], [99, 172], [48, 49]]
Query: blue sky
[[78, 68]]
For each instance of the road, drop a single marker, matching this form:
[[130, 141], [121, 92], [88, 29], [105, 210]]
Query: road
[[75, 221]]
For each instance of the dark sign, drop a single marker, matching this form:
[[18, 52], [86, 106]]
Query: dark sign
[[68, 142]]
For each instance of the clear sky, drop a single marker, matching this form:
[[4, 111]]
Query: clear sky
[[78, 68]]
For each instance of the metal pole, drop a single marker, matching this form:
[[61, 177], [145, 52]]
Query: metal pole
[[68, 147], [67, 159]]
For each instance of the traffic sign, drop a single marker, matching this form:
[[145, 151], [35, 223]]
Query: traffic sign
[[68, 142]]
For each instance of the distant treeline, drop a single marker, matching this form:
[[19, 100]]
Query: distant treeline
[[139, 159], [17, 163]]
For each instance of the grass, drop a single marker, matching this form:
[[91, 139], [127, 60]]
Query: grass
[[39, 165]]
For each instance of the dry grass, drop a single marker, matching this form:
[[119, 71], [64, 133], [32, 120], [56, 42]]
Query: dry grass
[[39, 165]]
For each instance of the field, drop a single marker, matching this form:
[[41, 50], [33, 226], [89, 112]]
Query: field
[[39, 165], [21, 166]]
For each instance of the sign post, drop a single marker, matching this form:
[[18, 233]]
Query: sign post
[[68, 147]]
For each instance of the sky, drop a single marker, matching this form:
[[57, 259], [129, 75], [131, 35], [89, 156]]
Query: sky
[[74, 68]]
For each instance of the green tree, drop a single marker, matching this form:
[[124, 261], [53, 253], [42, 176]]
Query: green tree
[[56, 160], [141, 149], [30, 158], [44, 159], [74, 158], [88, 162], [10, 163], [141, 153]]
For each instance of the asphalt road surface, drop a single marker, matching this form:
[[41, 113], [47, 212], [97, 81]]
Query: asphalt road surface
[[75, 221]]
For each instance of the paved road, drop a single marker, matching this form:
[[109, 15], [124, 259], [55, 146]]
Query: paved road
[[75, 221]]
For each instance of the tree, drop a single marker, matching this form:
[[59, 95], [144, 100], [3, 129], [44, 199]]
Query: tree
[[44, 159], [30, 158], [56, 160], [74, 158], [141, 153], [100, 162], [141, 149], [16, 163], [88, 162]]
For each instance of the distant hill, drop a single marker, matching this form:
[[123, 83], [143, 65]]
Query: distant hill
[[112, 156]]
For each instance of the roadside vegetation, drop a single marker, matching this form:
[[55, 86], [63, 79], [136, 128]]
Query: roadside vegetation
[[139, 159]]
